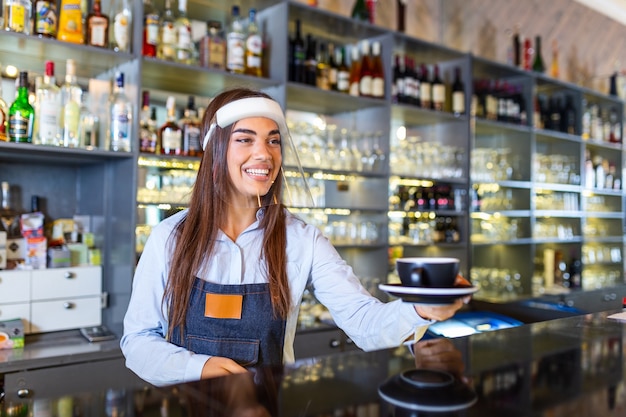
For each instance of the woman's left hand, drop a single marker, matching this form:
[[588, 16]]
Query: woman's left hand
[[445, 311]]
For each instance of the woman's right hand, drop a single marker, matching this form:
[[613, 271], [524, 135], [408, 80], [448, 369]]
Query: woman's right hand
[[220, 366]]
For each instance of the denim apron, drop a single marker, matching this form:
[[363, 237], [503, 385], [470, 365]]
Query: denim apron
[[257, 338]]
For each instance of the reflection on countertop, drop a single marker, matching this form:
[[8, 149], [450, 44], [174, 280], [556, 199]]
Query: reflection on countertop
[[566, 367]]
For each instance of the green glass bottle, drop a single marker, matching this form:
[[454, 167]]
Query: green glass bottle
[[21, 114], [360, 11]]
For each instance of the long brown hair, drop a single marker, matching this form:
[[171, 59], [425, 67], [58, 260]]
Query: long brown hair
[[195, 234]]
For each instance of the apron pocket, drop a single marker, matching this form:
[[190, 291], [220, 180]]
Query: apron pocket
[[243, 351]]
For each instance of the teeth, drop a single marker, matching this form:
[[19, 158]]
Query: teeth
[[258, 171]]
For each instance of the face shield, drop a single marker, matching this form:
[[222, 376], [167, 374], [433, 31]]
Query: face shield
[[264, 169]]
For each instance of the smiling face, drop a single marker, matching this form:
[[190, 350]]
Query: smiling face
[[254, 158]]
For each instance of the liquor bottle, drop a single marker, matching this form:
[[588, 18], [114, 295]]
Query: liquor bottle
[[378, 73], [360, 11], [397, 81], [120, 117], [355, 71], [365, 76], [343, 73], [170, 134], [297, 54], [253, 47], [538, 65], [11, 219], [412, 83], [45, 18], [147, 129], [121, 28], [517, 48], [554, 65], [17, 16], [21, 114], [333, 66], [235, 44], [310, 61], [438, 89], [322, 72], [213, 47], [4, 116], [401, 15], [97, 26], [190, 126], [185, 49], [88, 125], [527, 54], [71, 95], [151, 20], [425, 87], [167, 34], [49, 115], [70, 27]]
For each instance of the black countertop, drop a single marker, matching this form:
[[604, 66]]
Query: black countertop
[[565, 367]]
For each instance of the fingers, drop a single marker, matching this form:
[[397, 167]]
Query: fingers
[[218, 366]]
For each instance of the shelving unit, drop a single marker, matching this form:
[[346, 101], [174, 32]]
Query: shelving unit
[[109, 185]]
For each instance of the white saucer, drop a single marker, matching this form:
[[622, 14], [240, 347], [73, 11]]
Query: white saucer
[[419, 295], [400, 289]]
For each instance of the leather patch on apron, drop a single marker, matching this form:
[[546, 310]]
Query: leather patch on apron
[[223, 306]]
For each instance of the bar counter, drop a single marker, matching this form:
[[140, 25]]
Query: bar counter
[[564, 367]]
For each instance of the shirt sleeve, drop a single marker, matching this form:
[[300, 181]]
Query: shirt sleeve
[[369, 322], [147, 352]]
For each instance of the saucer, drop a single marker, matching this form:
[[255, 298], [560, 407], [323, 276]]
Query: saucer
[[427, 390], [419, 295]]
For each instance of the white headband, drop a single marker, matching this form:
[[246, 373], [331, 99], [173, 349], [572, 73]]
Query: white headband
[[244, 108]]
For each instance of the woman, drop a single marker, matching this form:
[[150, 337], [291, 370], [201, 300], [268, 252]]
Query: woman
[[218, 286]]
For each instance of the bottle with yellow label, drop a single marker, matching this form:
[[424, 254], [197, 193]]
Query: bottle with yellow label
[[71, 22]]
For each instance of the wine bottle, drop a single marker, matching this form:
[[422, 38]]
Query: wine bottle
[[366, 74], [458, 93], [297, 55], [310, 61], [360, 11], [538, 65], [355, 71], [378, 72], [425, 87], [333, 66], [438, 90], [343, 73]]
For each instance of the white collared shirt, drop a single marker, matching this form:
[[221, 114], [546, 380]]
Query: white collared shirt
[[311, 259]]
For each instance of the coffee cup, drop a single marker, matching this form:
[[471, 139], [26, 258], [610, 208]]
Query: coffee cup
[[428, 272]]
